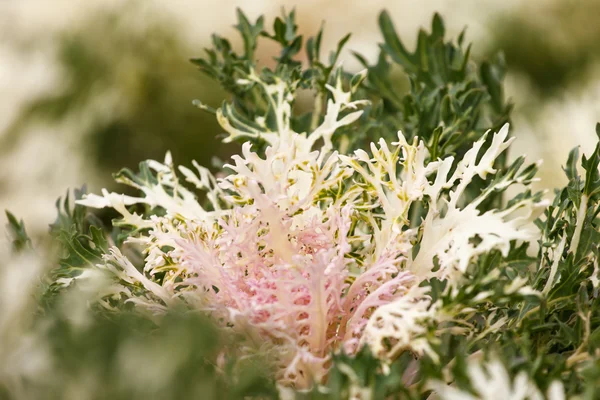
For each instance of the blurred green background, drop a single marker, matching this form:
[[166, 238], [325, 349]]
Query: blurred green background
[[90, 87]]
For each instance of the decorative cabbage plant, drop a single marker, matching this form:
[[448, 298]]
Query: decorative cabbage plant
[[374, 245]]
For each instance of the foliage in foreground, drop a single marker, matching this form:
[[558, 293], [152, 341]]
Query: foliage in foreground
[[316, 265]]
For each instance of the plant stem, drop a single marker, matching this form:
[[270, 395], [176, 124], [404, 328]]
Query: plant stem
[[579, 227], [316, 115], [554, 268]]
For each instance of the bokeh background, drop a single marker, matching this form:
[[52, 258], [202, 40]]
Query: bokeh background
[[88, 87]]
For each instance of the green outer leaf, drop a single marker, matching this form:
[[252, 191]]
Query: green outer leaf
[[17, 234]]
